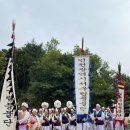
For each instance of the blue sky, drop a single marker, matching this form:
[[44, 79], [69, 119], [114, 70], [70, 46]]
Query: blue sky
[[105, 25]]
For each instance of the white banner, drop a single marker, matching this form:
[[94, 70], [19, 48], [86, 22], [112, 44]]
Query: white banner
[[82, 84], [8, 101], [120, 105]]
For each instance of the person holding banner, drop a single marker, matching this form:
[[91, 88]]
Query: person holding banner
[[23, 117], [98, 116], [73, 120]]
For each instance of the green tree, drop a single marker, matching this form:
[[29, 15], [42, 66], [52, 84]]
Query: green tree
[[44, 73], [3, 65]]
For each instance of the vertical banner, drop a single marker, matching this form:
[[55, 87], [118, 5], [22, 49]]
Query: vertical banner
[[8, 107], [8, 101], [120, 99], [82, 90], [120, 104]]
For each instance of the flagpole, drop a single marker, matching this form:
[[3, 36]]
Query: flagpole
[[13, 38], [8, 117], [82, 48], [14, 59], [82, 51], [13, 29], [120, 99]]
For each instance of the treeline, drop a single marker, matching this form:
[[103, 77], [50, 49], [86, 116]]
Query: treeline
[[44, 73]]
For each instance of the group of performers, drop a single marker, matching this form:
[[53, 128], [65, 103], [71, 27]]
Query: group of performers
[[64, 119]]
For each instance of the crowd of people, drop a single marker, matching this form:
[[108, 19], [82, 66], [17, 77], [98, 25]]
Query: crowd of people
[[45, 118]]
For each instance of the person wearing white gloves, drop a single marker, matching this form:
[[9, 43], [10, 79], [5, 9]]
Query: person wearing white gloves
[[98, 116]]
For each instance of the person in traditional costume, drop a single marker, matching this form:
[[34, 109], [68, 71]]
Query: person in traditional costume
[[73, 119], [34, 120], [44, 106], [53, 110], [45, 120], [61, 111], [23, 117], [98, 116], [88, 125], [50, 118], [93, 122], [109, 119], [80, 123], [65, 119], [56, 120], [40, 112], [103, 109], [106, 121]]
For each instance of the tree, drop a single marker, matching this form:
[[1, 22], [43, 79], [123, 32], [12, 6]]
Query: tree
[[52, 74], [3, 65], [44, 73]]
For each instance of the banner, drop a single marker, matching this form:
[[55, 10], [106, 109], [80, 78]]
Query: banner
[[8, 108], [82, 91], [120, 105], [120, 99]]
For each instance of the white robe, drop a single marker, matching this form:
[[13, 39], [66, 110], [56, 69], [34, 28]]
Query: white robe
[[43, 121], [63, 126], [99, 127], [23, 120], [56, 127], [72, 127], [81, 126]]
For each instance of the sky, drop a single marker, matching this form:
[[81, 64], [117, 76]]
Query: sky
[[104, 24]]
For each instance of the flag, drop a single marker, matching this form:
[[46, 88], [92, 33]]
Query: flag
[[82, 85], [121, 86], [120, 99], [10, 44], [8, 107]]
